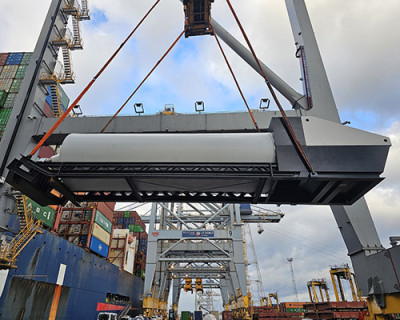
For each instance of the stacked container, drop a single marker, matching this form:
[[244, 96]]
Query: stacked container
[[122, 250], [46, 214], [89, 226], [13, 67], [131, 221]]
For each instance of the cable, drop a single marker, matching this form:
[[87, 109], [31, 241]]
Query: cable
[[67, 112], [234, 78], [148, 75], [271, 89]]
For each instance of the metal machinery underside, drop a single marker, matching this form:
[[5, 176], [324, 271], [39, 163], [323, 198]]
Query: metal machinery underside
[[340, 180]]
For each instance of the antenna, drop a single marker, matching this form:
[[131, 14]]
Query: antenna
[[290, 260]]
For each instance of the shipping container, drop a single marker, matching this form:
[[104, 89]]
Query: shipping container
[[48, 110], [215, 314], [102, 221], [101, 234], [198, 315], [3, 97], [26, 58], [226, 315], [75, 229], [5, 84], [44, 214], [3, 58], [74, 240], [64, 99], [16, 85], [20, 74], [9, 72], [107, 209], [5, 116], [14, 58], [99, 247], [186, 315], [10, 101]]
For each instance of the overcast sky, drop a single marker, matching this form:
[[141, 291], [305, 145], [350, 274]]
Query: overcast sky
[[359, 41]]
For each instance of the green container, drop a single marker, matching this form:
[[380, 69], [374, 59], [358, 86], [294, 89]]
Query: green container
[[102, 221], [26, 58], [16, 85], [186, 315], [63, 97], [127, 214], [21, 72], [10, 101], [45, 214], [4, 116], [137, 229], [3, 97]]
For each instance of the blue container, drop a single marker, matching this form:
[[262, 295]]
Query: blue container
[[48, 97], [98, 246], [132, 220], [120, 221], [198, 315], [14, 58], [245, 208]]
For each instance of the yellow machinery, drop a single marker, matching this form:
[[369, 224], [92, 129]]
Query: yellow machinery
[[273, 296], [153, 307], [241, 308], [188, 285], [29, 228], [199, 285], [344, 273], [198, 17], [321, 284], [169, 109]]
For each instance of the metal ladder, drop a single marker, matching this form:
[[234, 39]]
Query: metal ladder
[[29, 228], [84, 11], [68, 75], [55, 100], [76, 40]]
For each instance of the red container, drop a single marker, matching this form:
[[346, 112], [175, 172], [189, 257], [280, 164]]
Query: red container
[[3, 58], [48, 111], [106, 210], [226, 315]]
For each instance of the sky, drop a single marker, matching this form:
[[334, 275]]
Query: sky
[[359, 43]]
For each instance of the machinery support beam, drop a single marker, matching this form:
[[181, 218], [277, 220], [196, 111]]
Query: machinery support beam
[[296, 99]]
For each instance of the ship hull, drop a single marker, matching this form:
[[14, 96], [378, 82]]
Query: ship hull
[[88, 284]]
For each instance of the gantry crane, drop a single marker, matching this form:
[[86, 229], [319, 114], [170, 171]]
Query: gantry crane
[[338, 180]]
